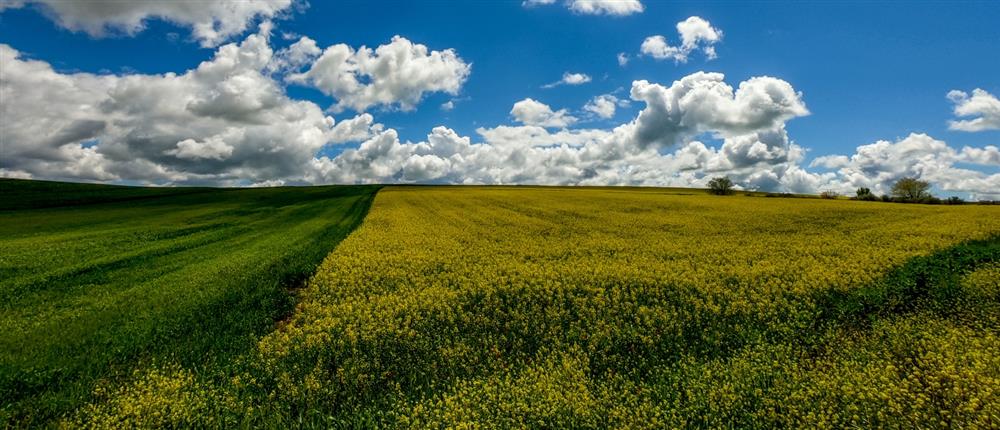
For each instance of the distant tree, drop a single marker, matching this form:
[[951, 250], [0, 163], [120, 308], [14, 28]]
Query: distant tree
[[829, 195], [865, 193], [955, 200], [720, 186], [911, 190]]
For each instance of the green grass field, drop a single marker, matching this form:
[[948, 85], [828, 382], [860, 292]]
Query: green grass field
[[98, 280]]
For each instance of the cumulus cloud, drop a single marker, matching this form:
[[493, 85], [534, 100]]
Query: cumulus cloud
[[595, 7], [575, 78], [830, 161], [695, 33], [214, 147], [229, 122], [211, 22], [508, 155], [985, 156], [703, 102], [878, 165], [297, 55], [981, 104], [623, 59], [226, 121], [753, 148], [356, 129], [748, 124], [603, 106], [534, 155], [570, 79], [394, 75], [606, 7], [533, 112]]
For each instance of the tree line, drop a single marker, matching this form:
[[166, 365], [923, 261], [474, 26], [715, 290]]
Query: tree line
[[905, 190]]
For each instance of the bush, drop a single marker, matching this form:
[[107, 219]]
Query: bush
[[829, 195], [720, 186], [886, 198], [930, 200]]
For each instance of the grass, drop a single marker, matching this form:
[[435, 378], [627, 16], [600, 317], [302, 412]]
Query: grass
[[96, 281]]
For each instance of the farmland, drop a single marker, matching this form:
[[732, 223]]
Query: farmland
[[502, 307], [100, 281]]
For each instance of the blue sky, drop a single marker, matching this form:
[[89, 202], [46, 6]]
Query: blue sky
[[866, 71]]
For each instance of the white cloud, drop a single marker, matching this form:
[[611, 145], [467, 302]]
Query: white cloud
[[623, 59], [530, 136], [695, 33], [595, 7], [355, 129], [570, 79], [448, 105], [986, 156], [880, 164], [983, 105], [214, 147], [297, 55], [229, 122], [532, 112], [224, 122], [830, 161], [658, 48], [606, 7], [755, 149], [575, 78], [603, 106], [703, 102], [397, 74], [14, 174], [533, 155], [211, 22]]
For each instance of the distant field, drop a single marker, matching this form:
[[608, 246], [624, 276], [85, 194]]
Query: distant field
[[500, 307], [96, 281]]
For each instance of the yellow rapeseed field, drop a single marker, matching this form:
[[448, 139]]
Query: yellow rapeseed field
[[500, 307]]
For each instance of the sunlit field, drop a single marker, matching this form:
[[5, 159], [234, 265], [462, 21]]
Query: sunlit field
[[515, 214], [510, 307], [99, 281]]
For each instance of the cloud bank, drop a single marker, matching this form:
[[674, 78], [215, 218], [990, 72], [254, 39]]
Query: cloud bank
[[211, 22], [229, 121], [225, 121]]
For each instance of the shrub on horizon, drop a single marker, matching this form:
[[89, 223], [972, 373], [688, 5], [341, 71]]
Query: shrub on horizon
[[720, 186]]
